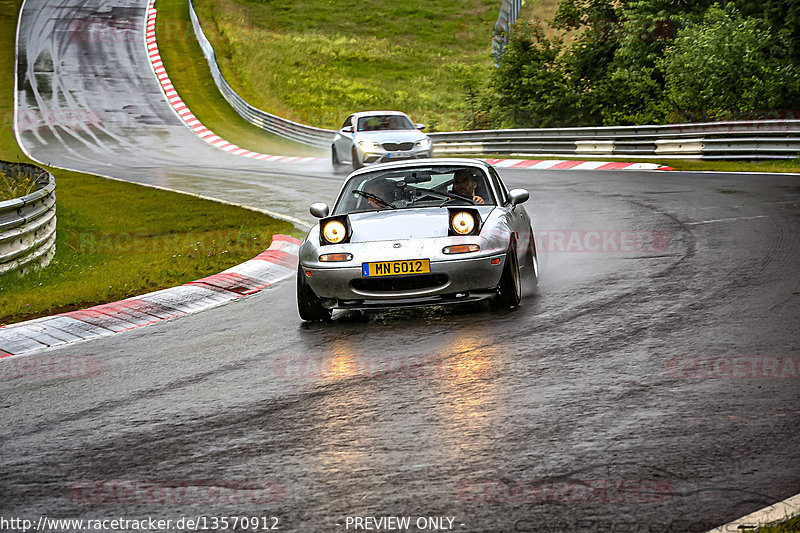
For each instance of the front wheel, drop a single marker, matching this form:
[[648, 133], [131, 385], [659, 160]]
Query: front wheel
[[309, 305], [510, 290], [337, 165], [356, 163]]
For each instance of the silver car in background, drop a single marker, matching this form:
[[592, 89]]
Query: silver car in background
[[400, 235], [378, 137]]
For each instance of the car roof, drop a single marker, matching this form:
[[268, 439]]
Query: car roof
[[410, 163], [372, 113]]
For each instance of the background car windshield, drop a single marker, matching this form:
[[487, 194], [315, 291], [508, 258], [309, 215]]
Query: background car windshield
[[408, 188], [384, 122]]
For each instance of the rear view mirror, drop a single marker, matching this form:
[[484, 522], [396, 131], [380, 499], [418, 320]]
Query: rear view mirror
[[418, 177], [420, 126], [347, 129]]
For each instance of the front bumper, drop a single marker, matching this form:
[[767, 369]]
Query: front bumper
[[384, 156], [449, 281]]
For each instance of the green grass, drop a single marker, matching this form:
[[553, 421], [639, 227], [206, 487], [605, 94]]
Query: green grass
[[116, 239], [319, 60], [189, 73], [789, 526], [15, 184], [791, 165], [8, 23]]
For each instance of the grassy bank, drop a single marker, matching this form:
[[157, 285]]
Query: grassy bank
[[791, 165], [115, 239], [189, 73], [790, 526], [317, 61]]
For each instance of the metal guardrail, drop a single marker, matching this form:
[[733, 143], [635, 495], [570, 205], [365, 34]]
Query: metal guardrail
[[760, 139], [295, 131], [28, 224]]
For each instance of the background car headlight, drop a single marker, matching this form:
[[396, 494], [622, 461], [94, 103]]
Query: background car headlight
[[369, 146], [424, 143], [334, 231], [463, 223]]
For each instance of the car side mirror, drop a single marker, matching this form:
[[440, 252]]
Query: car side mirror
[[319, 209], [420, 126], [518, 196], [347, 129]]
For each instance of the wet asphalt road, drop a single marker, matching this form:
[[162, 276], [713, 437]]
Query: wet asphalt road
[[579, 411]]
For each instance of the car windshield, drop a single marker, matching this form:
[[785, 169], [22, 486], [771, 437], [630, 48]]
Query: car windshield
[[432, 186], [384, 122]]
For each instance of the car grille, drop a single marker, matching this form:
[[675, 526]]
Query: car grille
[[397, 146], [399, 283]]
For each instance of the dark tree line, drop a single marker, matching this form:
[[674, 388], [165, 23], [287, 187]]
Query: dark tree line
[[648, 62]]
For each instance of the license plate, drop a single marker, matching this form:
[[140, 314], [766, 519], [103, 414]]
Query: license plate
[[396, 268], [397, 154]]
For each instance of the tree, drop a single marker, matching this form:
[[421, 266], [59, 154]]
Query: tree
[[730, 67], [531, 87]]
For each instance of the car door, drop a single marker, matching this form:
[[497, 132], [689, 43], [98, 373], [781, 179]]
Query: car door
[[343, 140], [518, 219]]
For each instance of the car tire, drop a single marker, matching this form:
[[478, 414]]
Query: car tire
[[532, 264], [309, 305], [509, 292], [354, 157], [338, 166]]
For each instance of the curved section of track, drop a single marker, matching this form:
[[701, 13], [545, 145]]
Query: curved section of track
[[579, 411], [88, 100]]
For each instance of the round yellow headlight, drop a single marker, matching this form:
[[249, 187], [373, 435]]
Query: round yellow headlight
[[463, 223], [334, 231]]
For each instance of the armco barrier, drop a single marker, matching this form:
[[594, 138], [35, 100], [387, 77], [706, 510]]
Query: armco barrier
[[759, 139], [28, 224]]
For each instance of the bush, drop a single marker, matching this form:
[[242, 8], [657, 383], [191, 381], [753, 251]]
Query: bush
[[730, 66], [531, 87]]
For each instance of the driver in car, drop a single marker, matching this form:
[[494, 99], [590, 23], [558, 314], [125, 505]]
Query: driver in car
[[465, 183]]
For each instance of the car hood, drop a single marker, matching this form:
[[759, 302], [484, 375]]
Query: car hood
[[402, 224], [397, 136]]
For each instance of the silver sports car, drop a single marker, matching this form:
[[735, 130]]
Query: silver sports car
[[378, 137], [426, 232]]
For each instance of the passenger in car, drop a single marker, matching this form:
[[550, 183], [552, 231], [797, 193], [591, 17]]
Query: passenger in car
[[383, 189], [465, 183]]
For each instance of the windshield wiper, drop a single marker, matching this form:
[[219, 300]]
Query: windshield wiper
[[453, 196], [376, 198]]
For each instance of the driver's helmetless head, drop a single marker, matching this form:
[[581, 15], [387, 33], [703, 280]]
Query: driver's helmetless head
[[464, 182]]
